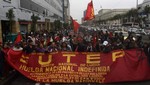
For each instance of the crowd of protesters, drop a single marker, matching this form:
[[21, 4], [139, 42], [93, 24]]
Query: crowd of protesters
[[44, 41], [66, 40]]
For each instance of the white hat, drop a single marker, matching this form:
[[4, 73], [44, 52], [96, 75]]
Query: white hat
[[10, 42], [105, 43], [44, 34]]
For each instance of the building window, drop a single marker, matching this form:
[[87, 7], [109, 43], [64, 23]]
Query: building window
[[9, 1]]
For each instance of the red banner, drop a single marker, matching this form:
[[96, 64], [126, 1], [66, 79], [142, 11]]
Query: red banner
[[90, 11], [75, 26], [67, 67]]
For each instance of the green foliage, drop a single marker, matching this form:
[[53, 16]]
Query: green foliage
[[57, 24], [132, 14], [147, 10], [71, 24], [65, 25], [10, 16], [34, 22]]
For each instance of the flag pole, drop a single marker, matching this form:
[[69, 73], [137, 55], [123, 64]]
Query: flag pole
[[93, 7]]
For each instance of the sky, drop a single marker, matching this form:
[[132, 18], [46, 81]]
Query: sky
[[78, 6]]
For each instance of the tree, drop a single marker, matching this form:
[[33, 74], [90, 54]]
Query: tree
[[10, 15], [57, 24], [147, 10], [132, 15], [34, 22], [65, 25]]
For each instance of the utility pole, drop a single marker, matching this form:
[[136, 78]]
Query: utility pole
[[63, 6], [137, 2]]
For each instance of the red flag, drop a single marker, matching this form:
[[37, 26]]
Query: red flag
[[18, 38], [89, 12], [75, 25]]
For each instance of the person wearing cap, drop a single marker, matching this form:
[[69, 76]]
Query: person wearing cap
[[29, 48], [106, 47], [17, 47], [32, 37]]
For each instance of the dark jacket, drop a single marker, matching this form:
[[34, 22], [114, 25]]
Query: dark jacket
[[29, 49]]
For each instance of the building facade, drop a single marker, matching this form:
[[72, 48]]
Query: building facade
[[47, 10], [141, 8], [106, 14]]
